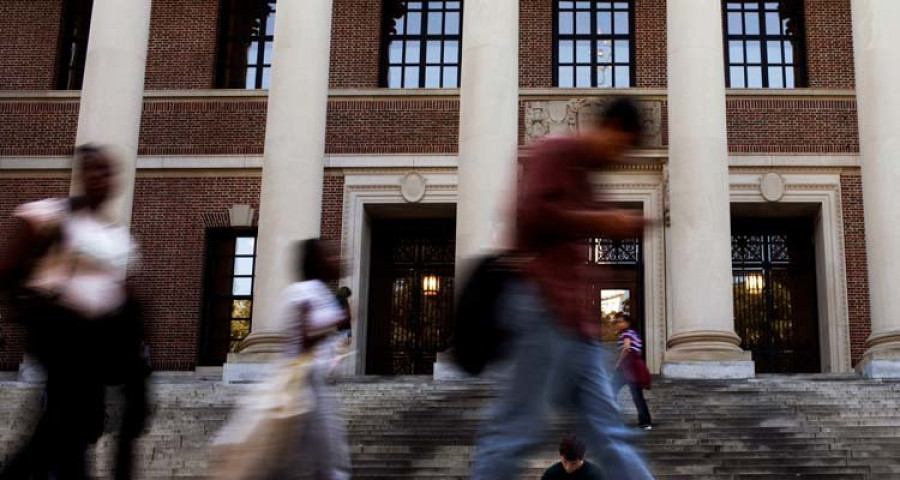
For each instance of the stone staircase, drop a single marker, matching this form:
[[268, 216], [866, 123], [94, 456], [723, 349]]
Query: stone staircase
[[778, 427]]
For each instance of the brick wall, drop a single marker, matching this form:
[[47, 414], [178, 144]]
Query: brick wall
[[38, 128], [182, 50], [16, 191], [857, 268], [786, 125], [168, 224], [332, 207], [829, 38], [392, 126], [203, 127], [28, 43], [650, 43], [536, 43], [355, 43]]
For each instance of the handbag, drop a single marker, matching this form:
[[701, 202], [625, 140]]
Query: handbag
[[636, 371], [258, 436]]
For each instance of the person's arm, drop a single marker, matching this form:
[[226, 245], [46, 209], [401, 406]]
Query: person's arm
[[626, 347]]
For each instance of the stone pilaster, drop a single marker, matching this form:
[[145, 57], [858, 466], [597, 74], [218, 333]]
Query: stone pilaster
[[112, 93], [876, 34], [702, 342], [293, 169]]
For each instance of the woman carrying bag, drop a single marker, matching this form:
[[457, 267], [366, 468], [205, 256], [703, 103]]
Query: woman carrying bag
[[632, 370], [290, 425]]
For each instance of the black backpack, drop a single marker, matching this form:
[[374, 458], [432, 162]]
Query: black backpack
[[478, 337]]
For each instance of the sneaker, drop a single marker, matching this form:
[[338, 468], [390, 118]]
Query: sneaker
[[647, 427]]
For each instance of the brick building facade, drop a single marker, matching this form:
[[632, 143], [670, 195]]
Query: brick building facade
[[201, 148]]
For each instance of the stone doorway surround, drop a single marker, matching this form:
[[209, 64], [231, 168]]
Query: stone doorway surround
[[820, 187], [415, 189]]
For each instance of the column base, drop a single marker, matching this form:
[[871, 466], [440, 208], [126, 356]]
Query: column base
[[252, 363], [707, 355], [882, 360]]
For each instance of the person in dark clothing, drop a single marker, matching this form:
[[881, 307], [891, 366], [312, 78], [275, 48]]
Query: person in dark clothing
[[66, 269], [631, 369], [572, 465]]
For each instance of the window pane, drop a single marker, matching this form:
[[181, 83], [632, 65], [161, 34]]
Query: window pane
[[751, 6], [412, 52], [412, 77], [413, 23], [735, 27], [395, 52], [436, 5], [751, 23], [239, 330], [395, 77], [451, 52], [433, 77], [566, 23], [583, 22], [566, 5], [433, 52], [452, 27], [566, 51], [241, 308], [451, 77], [737, 77], [789, 78], [776, 77], [252, 53], [736, 51], [267, 55], [566, 79], [243, 266], [789, 52], [266, 76], [245, 246], [754, 55], [242, 286], [773, 50], [734, 6], [621, 23], [270, 24], [622, 51], [435, 23], [399, 24], [754, 77], [604, 23], [583, 51], [623, 77], [251, 78], [583, 76], [604, 51], [604, 76], [453, 5], [773, 23]]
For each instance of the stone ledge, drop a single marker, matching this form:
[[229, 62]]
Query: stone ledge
[[711, 370]]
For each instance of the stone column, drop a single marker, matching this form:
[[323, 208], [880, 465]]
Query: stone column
[[488, 127], [293, 168], [701, 342], [112, 94], [876, 34]]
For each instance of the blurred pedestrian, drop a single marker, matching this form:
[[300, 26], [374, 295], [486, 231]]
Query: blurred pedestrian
[[572, 464], [66, 267], [313, 315], [631, 369], [554, 354]]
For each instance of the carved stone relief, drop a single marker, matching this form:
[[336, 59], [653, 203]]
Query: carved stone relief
[[555, 117]]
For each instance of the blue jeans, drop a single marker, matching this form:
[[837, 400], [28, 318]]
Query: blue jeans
[[550, 368]]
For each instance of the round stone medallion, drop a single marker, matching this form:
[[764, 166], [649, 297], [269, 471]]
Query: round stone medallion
[[772, 187], [412, 187]]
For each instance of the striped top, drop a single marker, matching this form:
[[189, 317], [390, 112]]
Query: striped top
[[637, 345]]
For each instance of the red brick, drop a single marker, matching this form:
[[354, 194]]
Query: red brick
[[28, 43]]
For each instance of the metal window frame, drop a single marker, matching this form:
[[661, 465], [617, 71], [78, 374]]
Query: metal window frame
[[423, 38], [226, 42], [71, 53], [801, 79], [594, 38]]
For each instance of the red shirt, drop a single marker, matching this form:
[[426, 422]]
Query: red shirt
[[555, 178]]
